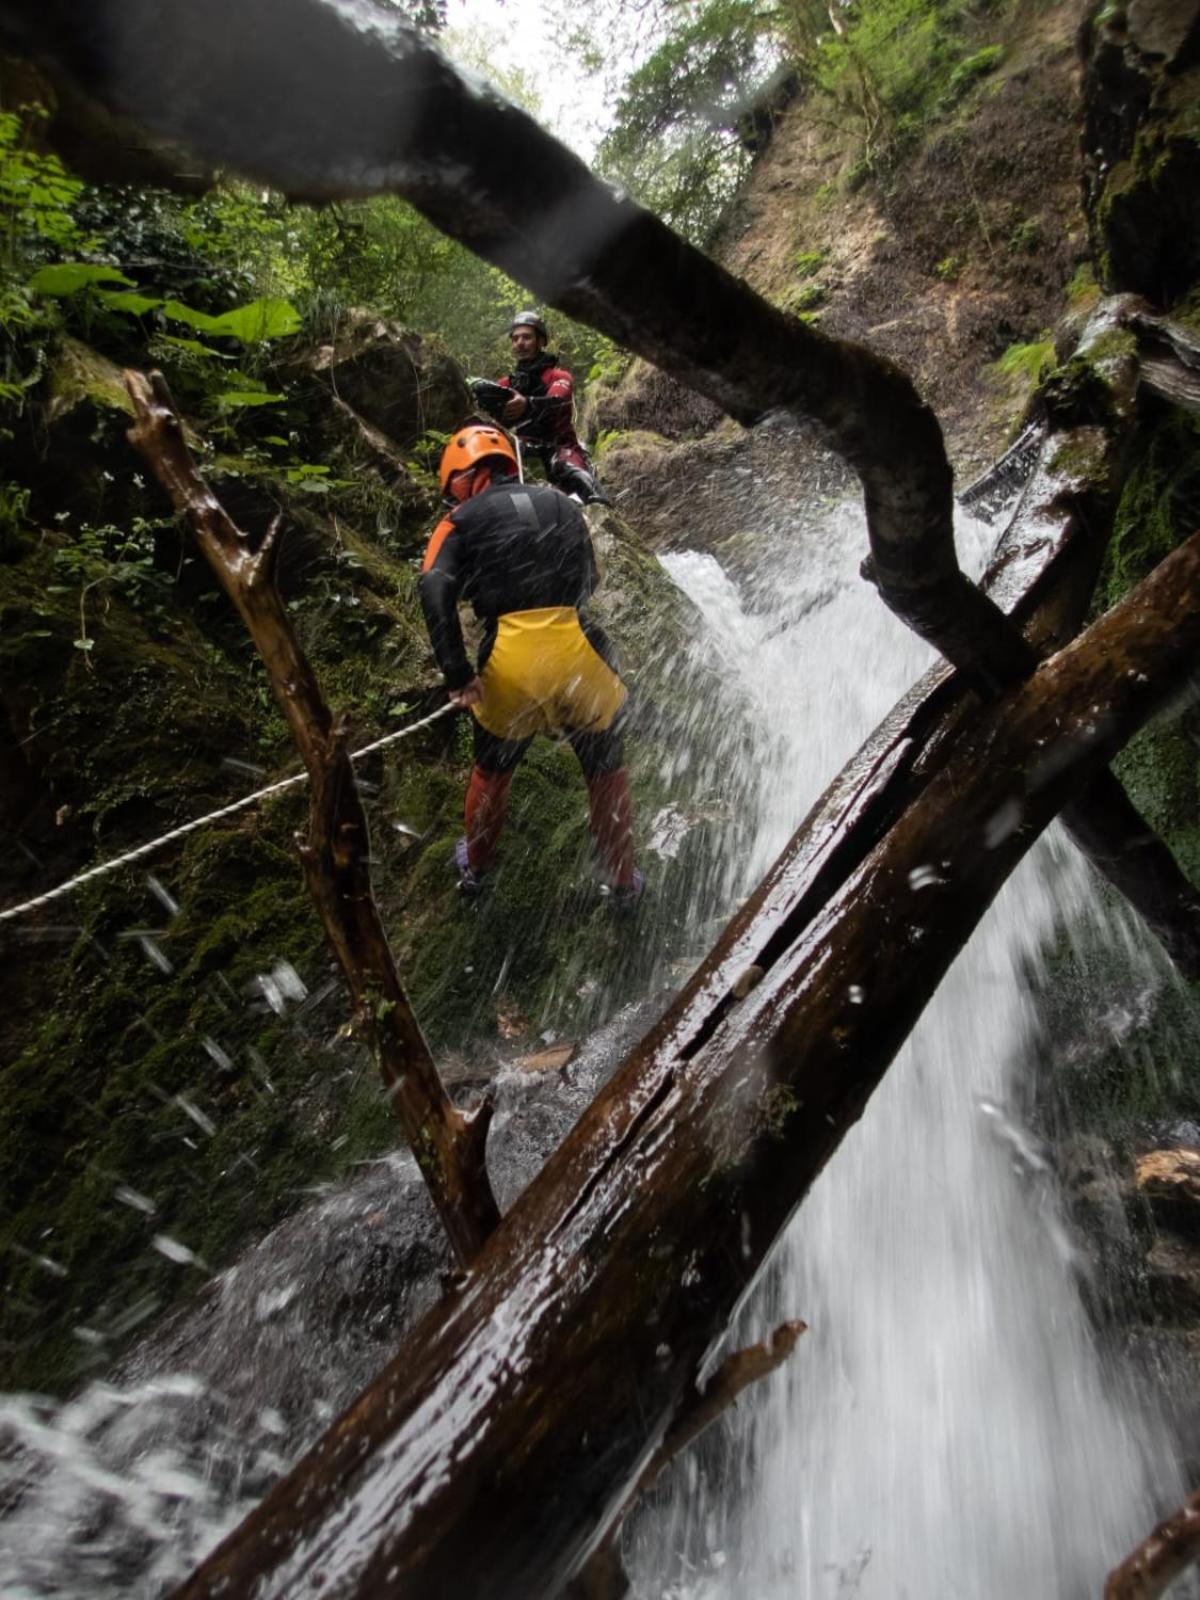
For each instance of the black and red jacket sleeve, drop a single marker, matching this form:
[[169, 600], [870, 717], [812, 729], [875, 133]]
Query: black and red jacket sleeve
[[439, 588], [552, 408]]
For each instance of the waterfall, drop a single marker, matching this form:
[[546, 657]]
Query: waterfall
[[947, 1427]]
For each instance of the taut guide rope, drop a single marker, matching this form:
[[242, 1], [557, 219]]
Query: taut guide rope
[[213, 816]]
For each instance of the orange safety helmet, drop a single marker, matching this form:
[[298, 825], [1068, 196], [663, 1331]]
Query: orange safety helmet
[[469, 446]]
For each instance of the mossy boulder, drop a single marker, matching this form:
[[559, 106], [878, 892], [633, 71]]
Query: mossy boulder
[[402, 383]]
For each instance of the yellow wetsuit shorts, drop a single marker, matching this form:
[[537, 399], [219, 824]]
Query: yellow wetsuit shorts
[[543, 675]]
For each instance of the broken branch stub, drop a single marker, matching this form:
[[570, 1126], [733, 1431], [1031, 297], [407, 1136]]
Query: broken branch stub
[[448, 1144], [603, 1575]]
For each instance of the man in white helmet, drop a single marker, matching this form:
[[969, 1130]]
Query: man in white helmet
[[540, 409]]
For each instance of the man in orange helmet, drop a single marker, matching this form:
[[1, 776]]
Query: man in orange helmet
[[522, 555]]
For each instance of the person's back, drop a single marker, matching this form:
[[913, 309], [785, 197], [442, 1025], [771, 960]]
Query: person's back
[[526, 545]]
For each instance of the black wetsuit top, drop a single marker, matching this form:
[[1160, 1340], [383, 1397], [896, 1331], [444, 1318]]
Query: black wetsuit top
[[512, 547]]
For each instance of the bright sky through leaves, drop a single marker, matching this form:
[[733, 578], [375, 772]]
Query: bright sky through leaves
[[522, 45]]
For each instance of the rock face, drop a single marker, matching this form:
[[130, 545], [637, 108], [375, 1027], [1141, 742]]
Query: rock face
[[1141, 146], [400, 383]]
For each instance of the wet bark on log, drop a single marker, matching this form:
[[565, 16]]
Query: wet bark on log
[[448, 1144], [1169, 1551], [494, 1453]]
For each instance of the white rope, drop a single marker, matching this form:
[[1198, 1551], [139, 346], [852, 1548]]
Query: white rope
[[213, 816]]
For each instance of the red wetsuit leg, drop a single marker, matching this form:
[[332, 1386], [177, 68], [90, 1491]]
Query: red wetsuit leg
[[571, 454], [612, 825], [486, 807]]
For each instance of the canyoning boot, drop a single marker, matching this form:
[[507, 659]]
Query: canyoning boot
[[471, 883]]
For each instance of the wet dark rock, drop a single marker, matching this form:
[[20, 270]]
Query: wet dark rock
[[230, 1390], [1174, 1278], [396, 381], [1141, 148]]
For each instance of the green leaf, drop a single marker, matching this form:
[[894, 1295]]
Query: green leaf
[[178, 312], [71, 276], [134, 305], [261, 319], [84, 644], [249, 397]]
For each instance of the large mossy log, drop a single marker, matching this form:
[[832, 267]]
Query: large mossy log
[[493, 1453]]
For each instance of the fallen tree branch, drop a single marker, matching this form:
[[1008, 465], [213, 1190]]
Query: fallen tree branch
[[447, 1143], [494, 1453], [737, 1372], [1168, 1552], [1076, 482]]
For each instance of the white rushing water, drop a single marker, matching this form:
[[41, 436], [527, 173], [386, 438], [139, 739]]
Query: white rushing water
[[946, 1428]]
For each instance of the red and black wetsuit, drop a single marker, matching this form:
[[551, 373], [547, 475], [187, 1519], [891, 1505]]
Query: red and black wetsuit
[[549, 424], [521, 554]]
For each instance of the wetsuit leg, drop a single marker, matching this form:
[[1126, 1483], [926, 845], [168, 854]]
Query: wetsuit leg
[[487, 794], [610, 806], [571, 471]]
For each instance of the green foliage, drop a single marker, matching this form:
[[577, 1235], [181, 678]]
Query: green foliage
[[69, 277], [674, 140], [807, 263], [1026, 363], [1083, 290], [807, 297], [886, 67], [231, 399], [975, 66], [249, 324], [37, 194], [14, 509], [107, 559], [1026, 236], [609, 362]]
